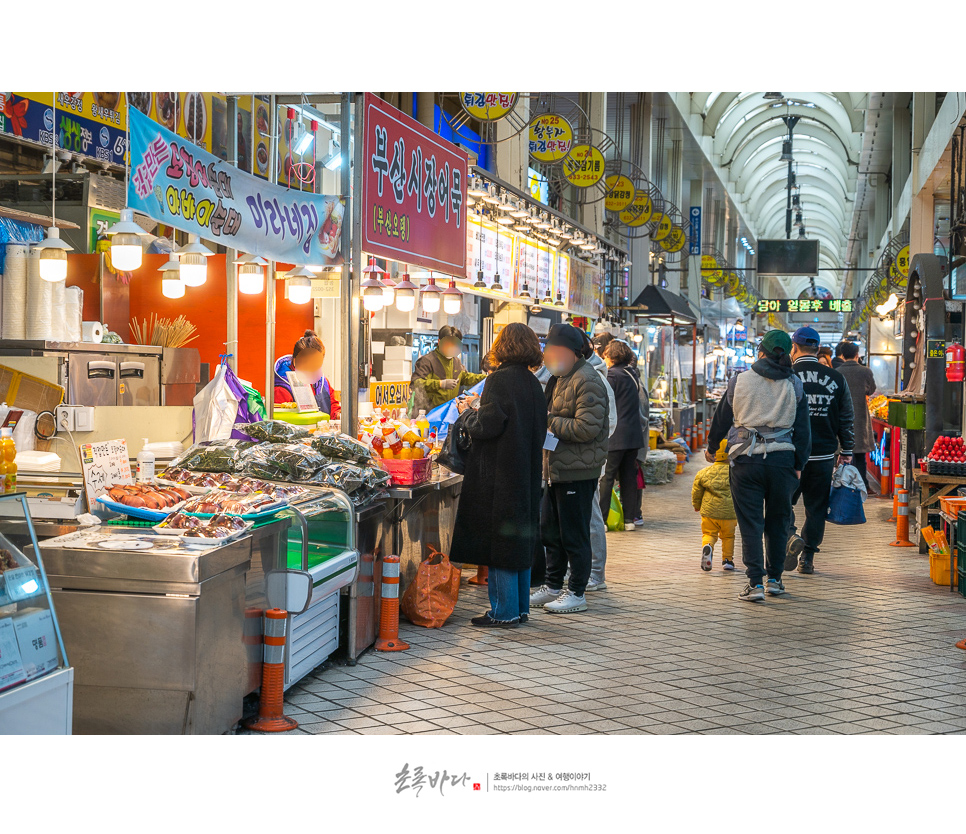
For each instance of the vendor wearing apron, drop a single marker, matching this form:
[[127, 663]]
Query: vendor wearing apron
[[764, 415], [306, 360], [439, 374]]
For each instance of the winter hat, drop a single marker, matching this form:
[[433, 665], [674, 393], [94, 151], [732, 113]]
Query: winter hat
[[721, 456], [776, 343], [568, 336]]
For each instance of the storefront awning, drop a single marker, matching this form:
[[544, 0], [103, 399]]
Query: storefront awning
[[662, 306]]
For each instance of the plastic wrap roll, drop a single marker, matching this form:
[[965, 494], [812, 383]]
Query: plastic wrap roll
[[74, 314], [15, 292], [58, 300], [92, 331], [39, 301]]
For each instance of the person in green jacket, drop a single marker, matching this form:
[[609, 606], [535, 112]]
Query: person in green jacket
[[439, 374], [711, 496]]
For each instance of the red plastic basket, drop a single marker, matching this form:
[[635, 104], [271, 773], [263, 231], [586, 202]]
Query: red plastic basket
[[408, 472]]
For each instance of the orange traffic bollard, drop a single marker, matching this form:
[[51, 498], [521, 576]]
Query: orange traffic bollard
[[885, 487], [389, 611], [270, 718], [902, 520], [482, 576], [899, 484], [701, 437]]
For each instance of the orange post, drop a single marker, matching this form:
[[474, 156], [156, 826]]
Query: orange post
[[885, 486], [270, 718], [899, 484], [389, 610], [482, 576], [902, 520], [701, 437]]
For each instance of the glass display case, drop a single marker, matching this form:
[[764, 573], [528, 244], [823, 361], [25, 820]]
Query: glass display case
[[36, 681]]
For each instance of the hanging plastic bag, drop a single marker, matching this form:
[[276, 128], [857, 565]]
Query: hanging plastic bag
[[615, 518], [432, 595], [845, 503], [216, 407]]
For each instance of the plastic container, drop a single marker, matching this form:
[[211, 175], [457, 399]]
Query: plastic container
[[9, 453], [408, 472], [145, 471], [939, 568]]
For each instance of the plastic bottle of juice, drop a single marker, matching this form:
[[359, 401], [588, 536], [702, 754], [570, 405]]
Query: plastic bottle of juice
[[386, 427], [411, 437], [422, 424], [407, 452], [387, 453], [378, 445], [9, 468], [394, 442], [419, 451]]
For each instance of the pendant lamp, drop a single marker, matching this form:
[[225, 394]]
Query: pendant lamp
[[53, 251], [126, 249], [251, 274], [171, 284], [194, 262]]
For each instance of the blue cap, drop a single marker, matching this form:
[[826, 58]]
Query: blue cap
[[807, 336]]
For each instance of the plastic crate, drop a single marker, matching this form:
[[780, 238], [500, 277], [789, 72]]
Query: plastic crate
[[939, 569], [962, 581], [408, 472]]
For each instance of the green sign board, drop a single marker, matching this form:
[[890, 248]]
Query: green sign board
[[805, 305]]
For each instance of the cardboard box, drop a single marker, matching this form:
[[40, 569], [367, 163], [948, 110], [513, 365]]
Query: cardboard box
[[397, 366], [395, 353]]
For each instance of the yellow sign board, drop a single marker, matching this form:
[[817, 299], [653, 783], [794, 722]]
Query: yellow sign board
[[551, 138], [488, 107], [620, 192], [662, 227], [584, 167], [639, 211], [388, 394], [708, 266], [675, 240], [902, 261]]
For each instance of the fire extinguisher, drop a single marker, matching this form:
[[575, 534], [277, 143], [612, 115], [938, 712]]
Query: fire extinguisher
[[955, 362]]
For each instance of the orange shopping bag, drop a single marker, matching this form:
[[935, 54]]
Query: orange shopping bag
[[431, 596]]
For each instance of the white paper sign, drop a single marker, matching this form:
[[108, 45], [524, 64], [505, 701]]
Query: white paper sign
[[303, 393], [105, 464], [38, 644], [11, 664]]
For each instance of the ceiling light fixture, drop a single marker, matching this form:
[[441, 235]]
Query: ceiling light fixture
[[430, 295], [373, 288], [452, 299], [126, 248], [53, 251], [406, 294], [194, 262], [171, 284], [251, 274]]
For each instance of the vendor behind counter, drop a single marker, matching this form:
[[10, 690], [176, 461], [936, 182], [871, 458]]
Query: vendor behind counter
[[439, 374], [306, 360]]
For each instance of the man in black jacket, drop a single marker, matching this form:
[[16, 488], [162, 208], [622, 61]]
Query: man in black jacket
[[831, 417]]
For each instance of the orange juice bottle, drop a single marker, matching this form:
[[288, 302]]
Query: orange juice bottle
[[418, 451], [387, 453], [411, 437], [407, 452], [378, 445], [9, 451], [394, 442]]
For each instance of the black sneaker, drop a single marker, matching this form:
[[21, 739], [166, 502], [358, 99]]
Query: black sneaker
[[793, 550], [487, 622], [524, 618], [774, 587], [752, 593], [805, 567]]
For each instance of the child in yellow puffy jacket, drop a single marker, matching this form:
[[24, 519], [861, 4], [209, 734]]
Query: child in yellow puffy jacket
[[711, 496]]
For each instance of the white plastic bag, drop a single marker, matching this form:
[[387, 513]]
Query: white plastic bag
[[215, 409]]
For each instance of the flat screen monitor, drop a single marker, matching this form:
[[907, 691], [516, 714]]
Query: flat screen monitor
[[788, 257]]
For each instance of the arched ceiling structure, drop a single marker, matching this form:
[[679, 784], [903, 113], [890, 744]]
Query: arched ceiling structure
[[746, 132]]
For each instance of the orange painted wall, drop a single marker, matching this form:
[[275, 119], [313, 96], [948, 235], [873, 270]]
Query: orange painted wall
[[205, 307]]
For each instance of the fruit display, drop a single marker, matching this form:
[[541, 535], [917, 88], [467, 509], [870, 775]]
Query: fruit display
[[146, 496], [947, 457], [879, 407]]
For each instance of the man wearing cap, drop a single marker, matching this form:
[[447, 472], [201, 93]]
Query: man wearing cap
[[764, 415], [831, 418], [574, 454], [439, 374]]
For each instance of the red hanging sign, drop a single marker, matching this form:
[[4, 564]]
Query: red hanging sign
[[413, 192]]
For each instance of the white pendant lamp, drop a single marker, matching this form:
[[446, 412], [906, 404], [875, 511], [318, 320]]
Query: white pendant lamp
[[406, 294], [373, 287], [430, 295], [452, 299], [171, 284], [298, 282], [251, 274], [53, 251], [126, 248], [194, 262]]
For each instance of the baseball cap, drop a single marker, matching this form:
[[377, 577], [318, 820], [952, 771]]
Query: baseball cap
[[807, 336], [568, 336], [777, 340]]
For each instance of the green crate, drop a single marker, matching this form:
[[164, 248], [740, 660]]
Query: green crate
[[907, 415]]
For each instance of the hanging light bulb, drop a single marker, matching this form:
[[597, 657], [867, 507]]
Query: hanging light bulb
[[53, 256], [194, 262], [298, 284], [452, 299], [476, 188], [126, 249], [496, 285], [480, 283], [388, 291], [518, 210], [525, 292], [406, 294], [373, 289], [430, 295], [171, 284], [492, 197], [559, 302], [251, 274], [547, 299]]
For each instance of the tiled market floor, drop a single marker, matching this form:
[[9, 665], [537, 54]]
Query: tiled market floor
[[866, 645]]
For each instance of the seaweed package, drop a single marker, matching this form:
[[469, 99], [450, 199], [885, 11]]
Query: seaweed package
[[273, 431], [216, 456], [342, 447], [350, 478], [283, 462]]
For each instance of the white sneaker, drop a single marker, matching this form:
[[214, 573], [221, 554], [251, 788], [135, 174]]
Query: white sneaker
[[567, 603], [630, 528], [596, 586], [543, 595]]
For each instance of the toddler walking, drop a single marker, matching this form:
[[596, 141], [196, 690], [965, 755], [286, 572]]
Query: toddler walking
[[711, 496]]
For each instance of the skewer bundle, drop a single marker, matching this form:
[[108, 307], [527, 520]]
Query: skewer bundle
[[163, 332]]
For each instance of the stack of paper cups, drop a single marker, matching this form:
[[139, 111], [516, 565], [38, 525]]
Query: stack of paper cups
[[74, 314], [93, 331], [58, 299], [39, 301], [15, 292]]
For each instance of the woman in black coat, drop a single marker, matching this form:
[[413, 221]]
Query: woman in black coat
[[628, 438], [498, 517]]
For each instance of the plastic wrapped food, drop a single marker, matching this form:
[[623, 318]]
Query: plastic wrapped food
[[350, 478], [228, 503], [283, 462], [659, 466], [341, 447], [217, 456], [274, 431], [146, 496]]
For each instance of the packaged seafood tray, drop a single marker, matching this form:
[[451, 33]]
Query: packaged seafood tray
[[147, 502], [201, 483], [251, 507], [217, 530]]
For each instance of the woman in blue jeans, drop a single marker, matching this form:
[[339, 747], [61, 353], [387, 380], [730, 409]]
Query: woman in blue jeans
[[498, 517]]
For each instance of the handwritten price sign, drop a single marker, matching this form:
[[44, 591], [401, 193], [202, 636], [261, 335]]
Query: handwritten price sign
[[105, 464]]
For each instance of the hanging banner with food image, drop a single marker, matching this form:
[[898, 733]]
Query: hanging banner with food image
[[179, 184]]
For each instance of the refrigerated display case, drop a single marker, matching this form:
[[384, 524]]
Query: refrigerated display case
[[36, 680]]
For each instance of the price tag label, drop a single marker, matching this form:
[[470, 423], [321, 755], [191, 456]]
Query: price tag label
[[302, 393], [105, 464]]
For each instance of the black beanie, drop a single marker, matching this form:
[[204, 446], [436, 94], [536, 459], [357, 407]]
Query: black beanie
[[568, 336]]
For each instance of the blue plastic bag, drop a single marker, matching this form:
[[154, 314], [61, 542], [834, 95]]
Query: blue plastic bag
[[845, 506]]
